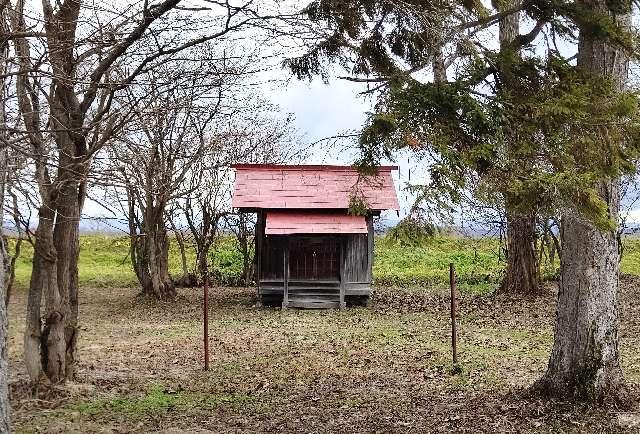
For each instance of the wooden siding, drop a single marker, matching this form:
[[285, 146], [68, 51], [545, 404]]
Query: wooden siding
[[315, 270], [356, 257], [259, 237]]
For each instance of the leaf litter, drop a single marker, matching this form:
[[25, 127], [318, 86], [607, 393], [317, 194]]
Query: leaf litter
[[382, 369]]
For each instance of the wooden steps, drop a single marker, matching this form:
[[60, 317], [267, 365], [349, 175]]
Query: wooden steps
[[313, 298], [314, 303]]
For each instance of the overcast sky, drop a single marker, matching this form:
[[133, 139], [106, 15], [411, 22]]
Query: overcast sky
[[322, 111]]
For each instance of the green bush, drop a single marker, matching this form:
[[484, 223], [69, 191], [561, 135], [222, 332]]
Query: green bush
[[226, 262], [412, 231]]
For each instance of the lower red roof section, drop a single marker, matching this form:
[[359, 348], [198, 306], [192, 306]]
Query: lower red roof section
[[284, 223]]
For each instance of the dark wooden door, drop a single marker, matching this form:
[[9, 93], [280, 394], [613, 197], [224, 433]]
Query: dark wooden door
[[314, 258]]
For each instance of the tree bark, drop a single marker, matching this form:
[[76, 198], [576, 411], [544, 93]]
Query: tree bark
[[5, 425], [67, 242], [50, 348], [4, 354], [42, 277], [151, 257], [522, 275], [584, 362]]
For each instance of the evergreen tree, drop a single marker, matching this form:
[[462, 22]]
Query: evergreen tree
[[537, 129]]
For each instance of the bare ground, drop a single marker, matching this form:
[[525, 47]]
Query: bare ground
[[382, 369]]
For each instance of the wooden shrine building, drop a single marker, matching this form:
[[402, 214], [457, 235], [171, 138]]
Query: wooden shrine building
[[309, 251]]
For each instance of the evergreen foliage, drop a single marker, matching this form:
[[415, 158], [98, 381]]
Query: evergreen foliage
[[413, 230], [565, 128]]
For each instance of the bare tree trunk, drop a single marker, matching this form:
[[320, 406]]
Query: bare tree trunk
[[42, 276], [4, 358], [67, 241], [151, 259], [4, 355], [584, 362], [11, 271], [188, 279], [51, 347], [183, 254], [5, 425]]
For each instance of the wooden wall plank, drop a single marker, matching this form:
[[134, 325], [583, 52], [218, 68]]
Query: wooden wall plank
[[285, 298], [370, 248]]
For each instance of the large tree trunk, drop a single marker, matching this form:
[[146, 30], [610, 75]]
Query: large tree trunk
[[4, 355], [42, 277], [151, 258], [67, 240], [584, 362], [522, 275], [4, 360], [50, 348], [5, 426]]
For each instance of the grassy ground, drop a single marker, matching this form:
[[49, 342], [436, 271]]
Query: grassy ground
[[382, 369], [104, 262]]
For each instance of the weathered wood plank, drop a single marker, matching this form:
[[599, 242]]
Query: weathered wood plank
[[370, 248], [315, 304], [343, 304], [259, 236], [285, 298]]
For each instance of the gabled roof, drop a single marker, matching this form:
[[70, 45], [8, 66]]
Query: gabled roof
[[269, 186], [285, 222]]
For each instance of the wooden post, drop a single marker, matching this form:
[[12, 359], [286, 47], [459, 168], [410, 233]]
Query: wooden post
[[343, 303], [454, 334], [205, 308], [285, 295], [370, 248], [259, 238]]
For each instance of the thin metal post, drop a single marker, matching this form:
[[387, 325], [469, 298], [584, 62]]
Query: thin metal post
[[205, 320], [454, 305]]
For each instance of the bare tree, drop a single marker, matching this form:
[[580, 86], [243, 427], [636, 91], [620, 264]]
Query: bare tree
[[5, 425], [253, 132], [150, 160], [72, 61]]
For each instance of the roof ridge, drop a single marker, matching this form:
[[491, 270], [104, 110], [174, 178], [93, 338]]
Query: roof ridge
[[305, 167]]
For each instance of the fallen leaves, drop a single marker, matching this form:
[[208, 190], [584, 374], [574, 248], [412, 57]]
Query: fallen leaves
[[384, 369]]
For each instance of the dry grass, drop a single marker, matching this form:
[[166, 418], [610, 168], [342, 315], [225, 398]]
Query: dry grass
[[381, 369]]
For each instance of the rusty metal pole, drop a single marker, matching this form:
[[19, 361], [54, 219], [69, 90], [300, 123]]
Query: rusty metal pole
[[454, 333], [205, 319]]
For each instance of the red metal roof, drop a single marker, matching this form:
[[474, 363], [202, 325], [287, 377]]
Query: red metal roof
[[282, 223], [310, 187]]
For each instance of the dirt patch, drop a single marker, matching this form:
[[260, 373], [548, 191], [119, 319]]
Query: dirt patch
[[382, 369]]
